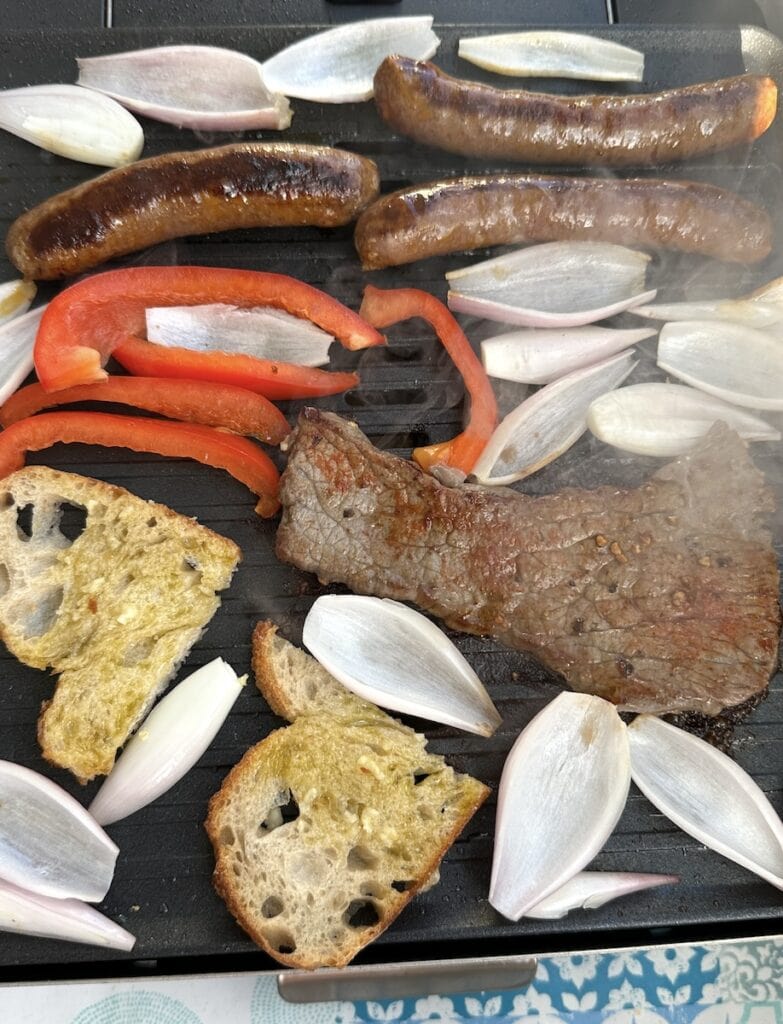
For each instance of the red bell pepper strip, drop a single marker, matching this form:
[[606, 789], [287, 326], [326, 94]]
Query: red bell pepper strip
[[86, 322], [195, 401], [276, 381], [244, 460], [382, 308]]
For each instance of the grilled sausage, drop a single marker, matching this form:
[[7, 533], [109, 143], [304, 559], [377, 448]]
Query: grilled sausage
[[246, 185], [468, 213], [417, 99]]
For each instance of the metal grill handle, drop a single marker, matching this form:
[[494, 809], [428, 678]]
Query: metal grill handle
[[397, 981]]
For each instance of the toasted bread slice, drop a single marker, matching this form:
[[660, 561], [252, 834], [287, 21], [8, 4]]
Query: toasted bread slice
[[326, 829], [114, 611]]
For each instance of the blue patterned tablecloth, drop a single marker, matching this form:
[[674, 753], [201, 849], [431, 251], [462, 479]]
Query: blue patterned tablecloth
[[722, 983]]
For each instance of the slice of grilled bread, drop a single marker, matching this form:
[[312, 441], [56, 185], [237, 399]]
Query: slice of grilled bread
[[327, 828], [113, 611]]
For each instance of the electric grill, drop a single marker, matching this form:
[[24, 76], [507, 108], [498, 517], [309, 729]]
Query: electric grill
[[410, 395]]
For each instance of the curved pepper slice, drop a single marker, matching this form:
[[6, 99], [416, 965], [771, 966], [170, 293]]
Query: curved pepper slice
[[276, 381], [85, 323], [382, 308], [244, 460], [195, 401]]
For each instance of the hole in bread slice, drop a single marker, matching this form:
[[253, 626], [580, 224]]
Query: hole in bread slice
[[71, 520], [361, 859], [272, 907], [361, 914], [280, 939], [284, 810], [24, 522]]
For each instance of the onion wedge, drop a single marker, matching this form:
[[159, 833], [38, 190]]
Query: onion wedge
[[707, 795], [589, 890], [17, 340], [548, 423], [28, 913], [169, 742], [562, 791], [541, 356], [15, 299], [738, 364], [761, 309], [262, 332], [392, 655], [667, 419], [49, 844], [72, 122], [338, 66], [556, 284], [554, 55], [201, 87]]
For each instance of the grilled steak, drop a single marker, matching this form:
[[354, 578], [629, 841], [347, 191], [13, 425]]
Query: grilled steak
[[659, 598]]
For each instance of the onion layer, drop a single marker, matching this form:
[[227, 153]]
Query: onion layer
[[562, 791], [28, 913], [548, 423], [735, 363], [590, 890], [15, 299], [554, 55], [49, 844], [169, 742], [263, 332], [72, 122], [338, 66], [707, 795], [556, 284], [541, 356], [201, 87], [392, 655], [17, 340], [667, 419]]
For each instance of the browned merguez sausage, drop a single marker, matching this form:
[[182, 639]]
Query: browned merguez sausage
[[468, 213], [417, 99], [246, 185]]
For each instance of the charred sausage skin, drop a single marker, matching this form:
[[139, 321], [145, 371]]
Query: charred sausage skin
[[468, 213], [419, 100], [245, 185]]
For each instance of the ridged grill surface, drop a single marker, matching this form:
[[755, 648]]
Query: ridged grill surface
[[410, 394]]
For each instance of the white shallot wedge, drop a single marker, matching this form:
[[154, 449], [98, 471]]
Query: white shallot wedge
[[200, 87], [735, 363], [761, 315], [15, 299], [261, 332], [589, 890], [548, 423], [169, 742], [562, 791], [49, 844], [667, 419], [541, 356], [394, 656], [762, 309], [556, 284], [338, 66], [707, 795], [17, 339], [72, 122], [546, 54], [28, 913]]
